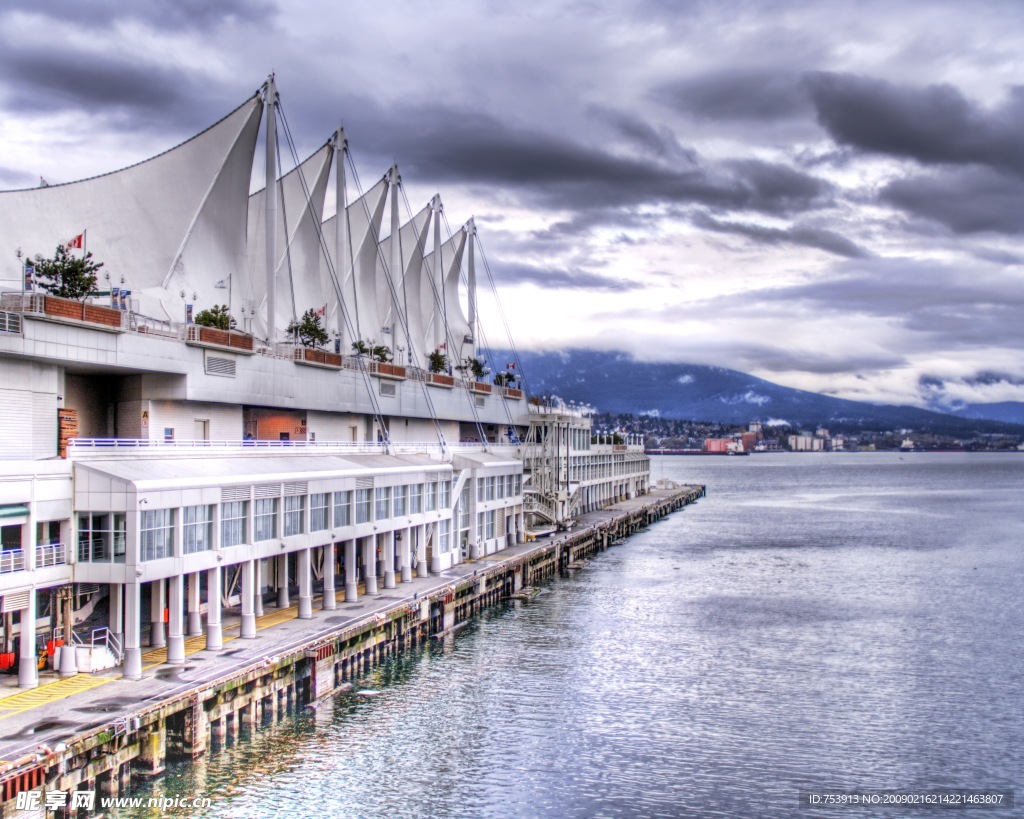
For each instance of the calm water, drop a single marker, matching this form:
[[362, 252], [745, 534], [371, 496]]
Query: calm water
[[844, 621]]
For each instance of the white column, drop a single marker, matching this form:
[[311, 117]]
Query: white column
[[195, 617], [214, 632], [370, 563], [115, 620], [28, 663], [405, 551], [388, 545], [176, 624], [248, 583], [329, 601], [158, 602], [351, 578], [305, 584], [132, 632], [261, 582], [421, 551], [282, 582]]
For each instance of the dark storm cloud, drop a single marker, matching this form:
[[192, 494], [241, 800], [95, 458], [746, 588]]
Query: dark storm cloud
[[966, 200], [515, 272], [805, 235], [747, 95], [934, 124], [181, 15], [452, 145]]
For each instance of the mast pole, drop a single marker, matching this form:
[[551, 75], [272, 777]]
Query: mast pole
[[341, 268], [441, 316], [396, 261], [270, 100], [471, 282]]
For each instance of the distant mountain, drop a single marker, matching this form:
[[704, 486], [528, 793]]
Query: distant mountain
[[615, 383], [1009, 412]]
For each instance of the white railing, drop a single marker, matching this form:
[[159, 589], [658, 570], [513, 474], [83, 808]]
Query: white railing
[[10, 322], [107, 446], [101, 637], [12, 560], [50, 554]]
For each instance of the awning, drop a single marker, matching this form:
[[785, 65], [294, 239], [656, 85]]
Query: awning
[[13, 511]]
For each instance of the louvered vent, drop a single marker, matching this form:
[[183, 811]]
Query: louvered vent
[[234, 493], [14, 601], [364, 483], [267, 490], [387, 388], [479, 400], [296, 488], [219, 365]]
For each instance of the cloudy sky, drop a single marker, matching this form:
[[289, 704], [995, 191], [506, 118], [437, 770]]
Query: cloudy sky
[[828, 195]]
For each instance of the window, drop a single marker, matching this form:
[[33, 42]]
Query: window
[[156, 534], [343, 508], [432, 496], [232, 523], [294, 515], [364, 500], [490, 488], [101, 538], [480, 490], [489, 524], [464, 507], [499, 487], [444, 494], [401, 500], [197, 529], [265, 519], [479, 527], [319, 509], [445, 536], [510, 486], [519, 484], [382, 506], [416, 499]]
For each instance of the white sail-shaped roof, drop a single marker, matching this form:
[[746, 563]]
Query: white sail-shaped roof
[[409, 287], [300, 285], [448, 323], [176, 222], [356, 274]]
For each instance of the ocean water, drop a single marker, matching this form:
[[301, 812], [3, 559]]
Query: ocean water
[[819, 621]]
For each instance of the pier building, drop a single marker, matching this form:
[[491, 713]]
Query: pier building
[[155, 471]]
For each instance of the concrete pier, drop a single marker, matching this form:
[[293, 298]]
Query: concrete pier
[[65, 738]]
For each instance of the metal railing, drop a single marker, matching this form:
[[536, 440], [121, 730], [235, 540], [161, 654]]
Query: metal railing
[[10, 322], [100, 637], [12, 560], [50, 554], [107, 445]]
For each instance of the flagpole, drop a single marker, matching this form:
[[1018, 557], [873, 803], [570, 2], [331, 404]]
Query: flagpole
[[85, 242]]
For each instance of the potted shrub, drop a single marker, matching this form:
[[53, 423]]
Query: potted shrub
[[437, 364], [310, 333], [67, 281], [215, 325]]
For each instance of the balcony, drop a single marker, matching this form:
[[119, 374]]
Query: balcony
[[50, 554], [12, 560]]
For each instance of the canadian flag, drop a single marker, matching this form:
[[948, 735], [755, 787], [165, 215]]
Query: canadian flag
[[322, 311], [76, 242], [443, 346], [512, 366]]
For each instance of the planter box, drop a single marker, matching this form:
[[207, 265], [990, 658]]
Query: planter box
[[441, 380], [200, 336], [317, 358], [480, 387], [70, 311], [390, 370], [512, 392]]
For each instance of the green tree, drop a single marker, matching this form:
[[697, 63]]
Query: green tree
[[310, 330], [476, 366], [216, 316], [505, 379], [360, 347], [381, 353], [67, 276], [437, 361]]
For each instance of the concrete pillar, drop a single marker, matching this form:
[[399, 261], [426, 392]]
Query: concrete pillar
[[351, 579], [388, 545], [370, 564], [153, 751], [214, 631], [176, 622], [305, 574], [248, 630], [282, 582], [28, 663], [330, 603], [132, 632], [115, 620], [261, 582], [195, 617], [158, 602], [421, 551], [405, 551]]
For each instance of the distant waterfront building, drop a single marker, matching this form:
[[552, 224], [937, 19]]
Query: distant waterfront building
[[177, 469]]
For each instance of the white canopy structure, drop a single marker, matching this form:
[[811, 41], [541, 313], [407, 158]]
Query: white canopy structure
[[182, 228]]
